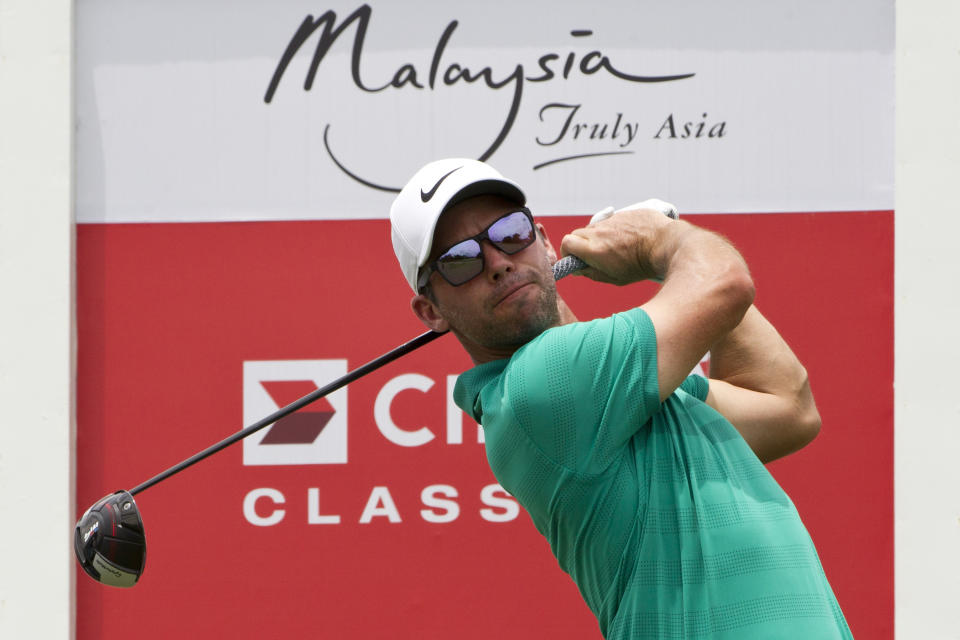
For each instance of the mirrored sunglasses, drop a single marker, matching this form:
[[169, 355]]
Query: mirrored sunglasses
[[463, 261]]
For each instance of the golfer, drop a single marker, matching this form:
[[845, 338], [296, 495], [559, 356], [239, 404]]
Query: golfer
[[647, 482]]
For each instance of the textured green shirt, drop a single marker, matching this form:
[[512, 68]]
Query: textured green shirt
[[661, 513]]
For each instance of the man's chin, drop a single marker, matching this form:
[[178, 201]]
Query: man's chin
[[524, 329], [521, 317]]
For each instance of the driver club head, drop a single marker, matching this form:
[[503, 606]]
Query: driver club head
[[109, 541]]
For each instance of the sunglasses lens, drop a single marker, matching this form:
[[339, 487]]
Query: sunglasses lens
[[512, 233], [464, 261], [461, 262]]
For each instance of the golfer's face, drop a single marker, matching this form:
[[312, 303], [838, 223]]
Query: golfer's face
[[513, 298]]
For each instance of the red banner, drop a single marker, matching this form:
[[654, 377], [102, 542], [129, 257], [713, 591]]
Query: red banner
[[373, 514]]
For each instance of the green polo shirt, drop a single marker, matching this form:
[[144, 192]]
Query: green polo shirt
[[661, 513]]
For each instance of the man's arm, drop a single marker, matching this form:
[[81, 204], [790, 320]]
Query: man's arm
[[705, 303], [759, 385], [706, 289]]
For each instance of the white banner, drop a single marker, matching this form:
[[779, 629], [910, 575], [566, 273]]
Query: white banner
[[307, 110]]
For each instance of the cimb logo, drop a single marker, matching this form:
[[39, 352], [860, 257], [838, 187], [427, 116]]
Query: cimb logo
[[316, 434]]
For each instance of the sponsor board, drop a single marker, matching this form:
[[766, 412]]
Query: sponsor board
[[279, 133], [412, 532], [321, 111]]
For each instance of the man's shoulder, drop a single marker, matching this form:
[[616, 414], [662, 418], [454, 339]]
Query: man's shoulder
[[558, 361], [572, 359], [607, 332]]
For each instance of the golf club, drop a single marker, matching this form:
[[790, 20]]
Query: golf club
[[109, 539]]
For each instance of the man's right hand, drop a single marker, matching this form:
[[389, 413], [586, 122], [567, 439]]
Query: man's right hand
[[620, 249]]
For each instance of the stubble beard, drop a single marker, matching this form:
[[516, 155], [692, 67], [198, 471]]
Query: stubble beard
[[511, 327], [526, 321]]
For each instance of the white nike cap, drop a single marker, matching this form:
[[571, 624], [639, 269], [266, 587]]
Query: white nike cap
[[431, 191]]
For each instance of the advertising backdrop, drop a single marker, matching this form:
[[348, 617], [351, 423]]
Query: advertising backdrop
[[235, 166]]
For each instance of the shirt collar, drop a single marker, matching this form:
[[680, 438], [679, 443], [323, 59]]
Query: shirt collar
[[466, 393]]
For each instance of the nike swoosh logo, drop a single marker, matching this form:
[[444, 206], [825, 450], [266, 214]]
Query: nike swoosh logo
[[429, 194]]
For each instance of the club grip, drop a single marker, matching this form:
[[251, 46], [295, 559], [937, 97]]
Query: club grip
[[564, 267]]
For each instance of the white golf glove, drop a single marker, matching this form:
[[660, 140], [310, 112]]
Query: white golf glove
[[658, 205]]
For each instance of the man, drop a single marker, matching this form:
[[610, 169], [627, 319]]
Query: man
[[648, 483]]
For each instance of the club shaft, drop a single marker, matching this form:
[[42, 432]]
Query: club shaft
[[361, 371], [561, 269]]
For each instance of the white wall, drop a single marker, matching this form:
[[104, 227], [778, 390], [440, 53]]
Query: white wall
[[36, 334], [36, 319], [927, 290]]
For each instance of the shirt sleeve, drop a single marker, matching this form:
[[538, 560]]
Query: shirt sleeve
[[581, 391], [697, 386]]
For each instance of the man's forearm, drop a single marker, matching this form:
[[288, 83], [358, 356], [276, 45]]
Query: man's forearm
[[754, 356], [769, 398], [706, 290]]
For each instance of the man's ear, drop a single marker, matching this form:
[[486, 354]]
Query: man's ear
[[429, 315], [551, 252]]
